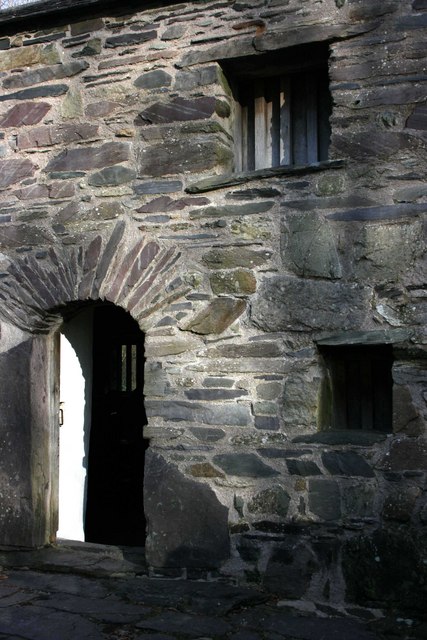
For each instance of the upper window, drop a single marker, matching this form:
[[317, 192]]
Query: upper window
[[283, 107]]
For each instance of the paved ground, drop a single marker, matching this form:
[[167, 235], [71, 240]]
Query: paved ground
[[97, 593]]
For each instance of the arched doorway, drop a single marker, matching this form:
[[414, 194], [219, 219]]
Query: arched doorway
[[101, 444]]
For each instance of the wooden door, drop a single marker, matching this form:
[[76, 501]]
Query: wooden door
[[114, 511]]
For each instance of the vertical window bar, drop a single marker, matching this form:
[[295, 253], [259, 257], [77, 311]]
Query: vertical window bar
[[276, 101], [133, 367], [299, 121], [324, 114], [260, 126], [239, 136], [311, 100], [123, 368], [285, 136]]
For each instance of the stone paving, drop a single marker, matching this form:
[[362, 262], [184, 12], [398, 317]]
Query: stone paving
[[44, 596]]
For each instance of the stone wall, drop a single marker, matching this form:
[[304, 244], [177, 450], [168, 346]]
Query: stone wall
[[117, 183]]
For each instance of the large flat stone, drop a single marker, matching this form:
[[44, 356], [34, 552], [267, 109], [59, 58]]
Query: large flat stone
[[244, 464], [61, 134], [234, 257], [285, 303], [181, 411], [178, 110], [44, 74], [217, 316], [85, 158], [45, 91], [346, 463], [199, 153], [14, 170], [175, 539], [309, 247], [324, 499], [25, 113], [21, 57]]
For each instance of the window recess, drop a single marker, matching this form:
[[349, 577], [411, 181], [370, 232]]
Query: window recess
[[357, 388], [283, 106]]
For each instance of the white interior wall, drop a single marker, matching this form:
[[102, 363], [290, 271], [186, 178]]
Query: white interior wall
[[75, 395]]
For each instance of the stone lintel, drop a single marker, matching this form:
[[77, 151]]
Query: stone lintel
[[382, 336], [235, 179]]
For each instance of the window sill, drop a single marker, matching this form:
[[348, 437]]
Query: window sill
[[353, 437], [235, 179]]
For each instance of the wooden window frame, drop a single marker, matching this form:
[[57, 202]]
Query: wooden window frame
[[357, 389], [282, 107]]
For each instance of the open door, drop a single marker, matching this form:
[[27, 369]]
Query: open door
[[114, 508], [101, 444]]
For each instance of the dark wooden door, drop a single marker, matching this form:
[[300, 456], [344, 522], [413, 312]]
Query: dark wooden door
[[114, 510]]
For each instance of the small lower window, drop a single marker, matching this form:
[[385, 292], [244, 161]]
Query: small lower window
[[357, 389]]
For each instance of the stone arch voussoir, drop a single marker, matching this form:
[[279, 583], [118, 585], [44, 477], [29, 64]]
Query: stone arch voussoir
[[140, 276]]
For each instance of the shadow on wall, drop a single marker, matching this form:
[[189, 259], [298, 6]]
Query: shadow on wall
[[187, 524]]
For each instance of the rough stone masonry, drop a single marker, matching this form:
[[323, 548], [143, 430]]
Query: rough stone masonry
[[255, 289]]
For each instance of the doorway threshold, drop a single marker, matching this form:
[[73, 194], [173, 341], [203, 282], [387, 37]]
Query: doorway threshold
[[83, 558]]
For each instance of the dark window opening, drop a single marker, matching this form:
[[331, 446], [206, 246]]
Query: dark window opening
[[283, 107], [357, 389]]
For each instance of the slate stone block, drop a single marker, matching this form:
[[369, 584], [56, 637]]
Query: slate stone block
[[346, 463], [244, 464], [47, 91], [21, 57], [347, 437], [406, 454], [127, 39], [386, 212], [227, 211], [44, 74], [309, 247], [324, 499], [218, 382], [157, 186], [235, 257], [101, 109], [84, 158], [215, 394], [188, 80], [45, 136], [217, 316], [267, 422], [178, 110], [206, 434], [204, 470], [153, 79], [418, 118], [26, 113], [285, 303], [166, 203], [14, 170], [199, 153], [112, 176], [179, 411], [303, 468], [274, 501], [187, 525]]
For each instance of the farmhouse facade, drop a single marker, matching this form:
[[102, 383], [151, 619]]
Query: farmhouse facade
[[220, 207]]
